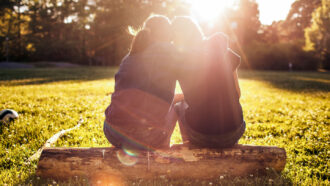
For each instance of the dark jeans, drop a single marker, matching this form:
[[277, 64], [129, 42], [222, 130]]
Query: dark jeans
[[119, 140], [141, 137], [198, 139], [161, 141]]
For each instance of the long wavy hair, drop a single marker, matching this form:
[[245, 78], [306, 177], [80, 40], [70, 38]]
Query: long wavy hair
[[140, 41], [160, 28], [156, 28], [187, 31]]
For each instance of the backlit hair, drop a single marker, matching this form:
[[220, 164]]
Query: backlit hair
[[187, 30], [160, 28], [140, 42]]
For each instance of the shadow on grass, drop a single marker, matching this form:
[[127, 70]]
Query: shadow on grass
[[36, 76], [271, 178], [291, 81]]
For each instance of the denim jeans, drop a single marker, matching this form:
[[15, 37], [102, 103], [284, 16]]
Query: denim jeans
[[204, 140], [140, 137], [119, 140]]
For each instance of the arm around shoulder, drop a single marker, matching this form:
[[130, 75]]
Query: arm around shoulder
[[237, 83]]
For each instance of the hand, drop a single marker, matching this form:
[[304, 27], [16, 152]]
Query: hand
[[178, 97]]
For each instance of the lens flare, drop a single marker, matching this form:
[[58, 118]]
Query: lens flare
[[104, 178], [209, 10], [130, 152], [127, 157]]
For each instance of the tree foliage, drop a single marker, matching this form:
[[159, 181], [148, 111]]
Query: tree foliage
[[318, 34], [300, 17], [94, 32], [82, 31], [247, 19]]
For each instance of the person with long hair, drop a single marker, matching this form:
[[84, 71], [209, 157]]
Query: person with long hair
[[140, 42], [144, 90], [210, 114]]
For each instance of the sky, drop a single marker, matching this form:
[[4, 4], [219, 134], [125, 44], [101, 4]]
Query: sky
[[270, 10], [273, 10]]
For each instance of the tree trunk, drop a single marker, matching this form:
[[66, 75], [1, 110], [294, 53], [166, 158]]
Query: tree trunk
[[178, 162], [19, 29]]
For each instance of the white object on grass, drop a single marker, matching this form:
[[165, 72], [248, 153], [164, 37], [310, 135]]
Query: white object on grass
[[51, 141], [7, 115]]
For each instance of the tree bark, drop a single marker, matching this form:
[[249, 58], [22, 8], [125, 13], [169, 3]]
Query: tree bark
[[178, 162], [19, 29]]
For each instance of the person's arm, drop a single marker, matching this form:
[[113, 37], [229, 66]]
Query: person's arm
[[177, 98], [235, 61], [237, 83]]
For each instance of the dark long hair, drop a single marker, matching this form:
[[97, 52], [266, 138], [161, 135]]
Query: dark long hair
[[187, 30], [160, 28], [140, 42], [155, 28]]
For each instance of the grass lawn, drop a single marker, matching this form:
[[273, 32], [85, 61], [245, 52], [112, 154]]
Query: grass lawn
[[289, 110]]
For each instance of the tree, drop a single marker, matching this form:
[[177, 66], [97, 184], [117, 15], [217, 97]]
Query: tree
[[240, 23], [13, 22], [300, 17], [318, 34], [247, 19], [243, 24], [110, 40]]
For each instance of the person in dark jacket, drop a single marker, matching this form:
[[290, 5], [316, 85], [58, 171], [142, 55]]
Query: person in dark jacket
[[210, 114], [144, 90]]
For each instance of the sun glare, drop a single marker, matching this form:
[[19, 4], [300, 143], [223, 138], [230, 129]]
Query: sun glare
[[209, 10]]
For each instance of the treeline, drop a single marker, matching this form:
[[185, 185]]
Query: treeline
[[302, 40], [90, 32], [94, 32]]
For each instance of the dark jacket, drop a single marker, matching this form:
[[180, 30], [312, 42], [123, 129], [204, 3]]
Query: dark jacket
[[210, 91]]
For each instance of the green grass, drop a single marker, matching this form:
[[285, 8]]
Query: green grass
[[289, 110]]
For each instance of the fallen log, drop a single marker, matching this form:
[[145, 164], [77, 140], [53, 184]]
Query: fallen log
[[177, 162]]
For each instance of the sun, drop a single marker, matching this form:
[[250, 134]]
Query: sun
[[209, 10]]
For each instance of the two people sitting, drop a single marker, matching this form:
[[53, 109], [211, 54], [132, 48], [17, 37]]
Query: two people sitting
[[144, 108]]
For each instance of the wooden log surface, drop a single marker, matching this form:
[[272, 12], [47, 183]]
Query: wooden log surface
[[177, 162]]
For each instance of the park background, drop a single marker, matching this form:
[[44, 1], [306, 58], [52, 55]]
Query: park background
[[95, 32], [289, 109]]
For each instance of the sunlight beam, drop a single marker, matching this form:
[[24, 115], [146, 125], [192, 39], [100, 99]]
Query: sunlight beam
[[209, 10]]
